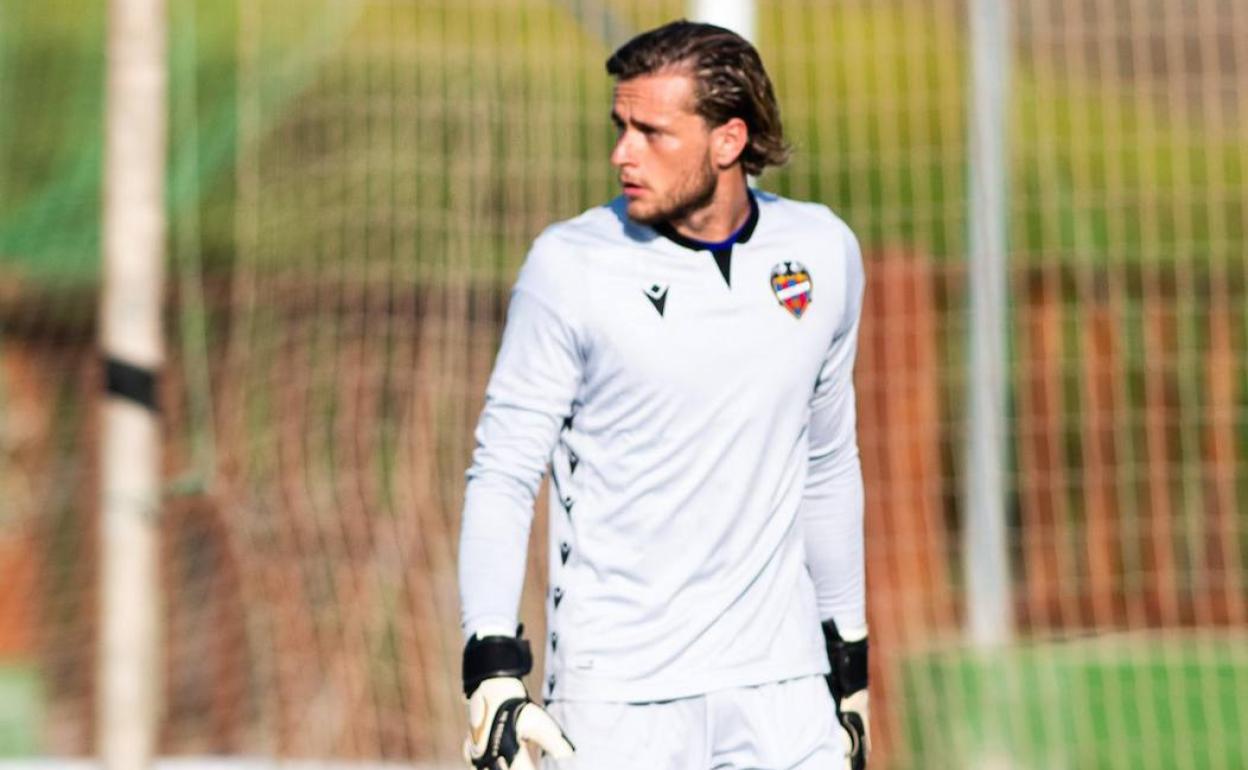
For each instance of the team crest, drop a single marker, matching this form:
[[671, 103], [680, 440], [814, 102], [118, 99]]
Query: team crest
[[791, 283]]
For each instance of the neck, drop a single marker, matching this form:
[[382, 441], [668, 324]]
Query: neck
[[723, 215]]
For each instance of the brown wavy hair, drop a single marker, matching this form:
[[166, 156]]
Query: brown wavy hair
[[729, 81]]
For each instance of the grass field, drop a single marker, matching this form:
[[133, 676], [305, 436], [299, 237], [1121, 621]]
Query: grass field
[[1124, 701], [21, 701]]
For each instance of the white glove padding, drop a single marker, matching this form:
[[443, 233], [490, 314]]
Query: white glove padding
[[502, 722], [854, 713]]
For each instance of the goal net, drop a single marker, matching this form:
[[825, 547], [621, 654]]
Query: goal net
[[352, 187]]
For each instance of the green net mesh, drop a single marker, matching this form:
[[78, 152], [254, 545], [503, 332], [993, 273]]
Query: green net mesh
[[352, 186]]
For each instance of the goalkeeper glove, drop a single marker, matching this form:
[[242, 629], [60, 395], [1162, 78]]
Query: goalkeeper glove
[[502, 721], [848, 683]]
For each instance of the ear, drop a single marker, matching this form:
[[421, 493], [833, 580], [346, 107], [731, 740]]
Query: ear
[[728, 141]]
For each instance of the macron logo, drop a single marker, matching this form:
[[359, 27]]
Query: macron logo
[[658, 297]]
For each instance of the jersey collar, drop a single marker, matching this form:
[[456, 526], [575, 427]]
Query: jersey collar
[[741, 235]]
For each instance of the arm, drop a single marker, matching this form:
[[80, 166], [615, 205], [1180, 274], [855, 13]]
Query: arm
[[832, 502], [832, 516], [531, 391]]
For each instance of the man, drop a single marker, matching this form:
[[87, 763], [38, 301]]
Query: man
[[682, 359]]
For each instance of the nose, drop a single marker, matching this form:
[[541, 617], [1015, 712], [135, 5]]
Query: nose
[[621, 154]]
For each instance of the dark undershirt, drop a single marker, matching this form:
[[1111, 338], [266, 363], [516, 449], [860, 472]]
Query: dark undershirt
[[721, 250]]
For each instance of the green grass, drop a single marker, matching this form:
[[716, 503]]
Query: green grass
[[21, 706], [1127, 701]]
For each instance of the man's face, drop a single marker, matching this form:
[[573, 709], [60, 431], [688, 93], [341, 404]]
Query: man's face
[[662, 153]]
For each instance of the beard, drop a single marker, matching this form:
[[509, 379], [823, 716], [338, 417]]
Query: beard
[[694, 194]]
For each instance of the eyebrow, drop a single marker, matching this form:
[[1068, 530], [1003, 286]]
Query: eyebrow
[[641, 124]]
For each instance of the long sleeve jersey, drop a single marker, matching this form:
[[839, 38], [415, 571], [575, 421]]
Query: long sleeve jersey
[[694, 404]]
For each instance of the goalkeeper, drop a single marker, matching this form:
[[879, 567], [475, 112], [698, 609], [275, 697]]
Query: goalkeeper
[[681, 359]]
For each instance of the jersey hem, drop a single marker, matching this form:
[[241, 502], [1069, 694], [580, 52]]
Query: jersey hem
[[573, 688]]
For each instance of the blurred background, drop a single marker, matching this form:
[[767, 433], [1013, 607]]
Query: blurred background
[[352, 185]]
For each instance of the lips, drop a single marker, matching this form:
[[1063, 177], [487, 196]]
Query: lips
[[631, 189]]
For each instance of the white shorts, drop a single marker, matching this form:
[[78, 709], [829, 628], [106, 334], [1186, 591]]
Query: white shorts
[[780, 726]]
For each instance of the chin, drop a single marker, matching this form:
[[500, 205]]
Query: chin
[[643, 214]]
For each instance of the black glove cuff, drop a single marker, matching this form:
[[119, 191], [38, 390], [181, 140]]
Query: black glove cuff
[[493, 656], [848, 661]]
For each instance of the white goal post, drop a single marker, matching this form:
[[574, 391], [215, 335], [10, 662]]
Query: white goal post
[[132, 347]]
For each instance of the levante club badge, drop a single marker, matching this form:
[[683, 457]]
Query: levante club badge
[[791, 283]]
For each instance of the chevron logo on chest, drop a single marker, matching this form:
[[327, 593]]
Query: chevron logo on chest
[[657, 295]]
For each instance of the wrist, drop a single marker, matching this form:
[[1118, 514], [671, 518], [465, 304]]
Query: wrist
[[851, 633], [491, 629], [847, 660], [493, 656]]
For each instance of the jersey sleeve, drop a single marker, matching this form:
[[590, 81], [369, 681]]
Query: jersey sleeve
[[832, 502], [530, 393]]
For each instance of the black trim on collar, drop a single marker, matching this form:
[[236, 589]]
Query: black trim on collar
[[742, 235], [723, 260]]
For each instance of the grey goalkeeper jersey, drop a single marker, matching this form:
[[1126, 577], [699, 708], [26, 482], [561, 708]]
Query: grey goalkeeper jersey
[[695, 407]]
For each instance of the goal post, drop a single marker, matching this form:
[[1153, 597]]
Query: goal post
[[133, 351], [740, 16], [988, 615]]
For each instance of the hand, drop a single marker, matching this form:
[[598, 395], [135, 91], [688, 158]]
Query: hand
[[847, 682], [502, 721], [854, 713]]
